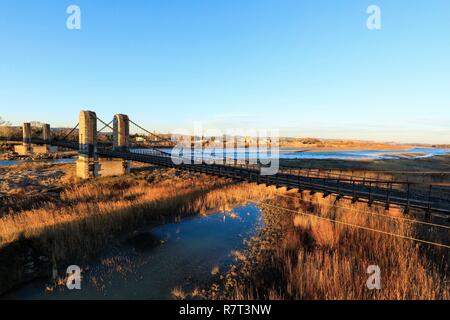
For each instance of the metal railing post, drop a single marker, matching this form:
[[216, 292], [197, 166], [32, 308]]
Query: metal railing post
[[428, 212], [354, 190], [388, 196], [408, 194]]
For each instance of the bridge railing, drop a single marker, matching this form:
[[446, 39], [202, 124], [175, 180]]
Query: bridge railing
[[398, 175], [409, 194]]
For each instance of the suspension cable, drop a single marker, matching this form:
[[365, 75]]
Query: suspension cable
[[151, 133], [107, 125], [71, 131]]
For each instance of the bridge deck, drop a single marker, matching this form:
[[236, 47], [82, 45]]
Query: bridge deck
[[409, 195]]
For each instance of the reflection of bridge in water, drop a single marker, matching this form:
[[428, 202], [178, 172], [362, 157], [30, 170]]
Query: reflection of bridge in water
[[418, 196]]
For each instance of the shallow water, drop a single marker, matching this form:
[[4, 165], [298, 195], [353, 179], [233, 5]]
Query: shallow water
[[299, 153], [365, 154], [8, 163], [160, 259]]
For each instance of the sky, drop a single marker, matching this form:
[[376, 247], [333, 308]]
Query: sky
[[305, 67]]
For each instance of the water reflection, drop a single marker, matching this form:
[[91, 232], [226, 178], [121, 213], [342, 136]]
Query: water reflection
[[305, 153], [148, 265]]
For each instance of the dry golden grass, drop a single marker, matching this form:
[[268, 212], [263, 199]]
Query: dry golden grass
[[324, 233], [215, 270], [302, 257], [178, 294], [92, 214], [89, 214]]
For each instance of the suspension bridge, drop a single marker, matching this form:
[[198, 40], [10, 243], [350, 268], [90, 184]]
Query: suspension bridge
[[428, 198]]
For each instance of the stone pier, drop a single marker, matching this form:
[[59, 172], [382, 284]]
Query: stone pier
[[121, 142], [25, 148], [87, 164], [27, 134], [46, 133], [121, 135], [46, 136]]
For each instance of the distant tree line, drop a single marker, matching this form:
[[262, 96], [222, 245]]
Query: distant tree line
[[4, 122], [6, 131]]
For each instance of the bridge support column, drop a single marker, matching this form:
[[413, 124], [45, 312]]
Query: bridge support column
[[25, 148], [247, 151], [27, 134], [46, 136], [235, 151], [121, 141], [87, 164], [224, 147]]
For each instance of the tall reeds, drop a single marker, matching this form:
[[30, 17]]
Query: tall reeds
[[300, 256]]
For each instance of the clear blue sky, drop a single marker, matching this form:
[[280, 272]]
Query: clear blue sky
[[309, 68]]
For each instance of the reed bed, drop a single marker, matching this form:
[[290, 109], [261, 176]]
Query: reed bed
[[300, 256], [90, 214]]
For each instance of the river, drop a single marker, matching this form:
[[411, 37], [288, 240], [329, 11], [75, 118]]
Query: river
[[304, 153], [8, 163], [157, 260]]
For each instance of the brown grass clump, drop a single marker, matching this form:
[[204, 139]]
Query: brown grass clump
[[215, 270], [323, 232], [301, 222], [238, 255], [178, 294]]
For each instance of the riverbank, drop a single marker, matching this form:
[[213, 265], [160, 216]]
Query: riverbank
[[422, 170], [30, 184], [13, 156], [88, 215], [343, 145], [436, 164]]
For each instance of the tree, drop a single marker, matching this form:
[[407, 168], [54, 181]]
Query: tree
[[5, 128], [4, 122]]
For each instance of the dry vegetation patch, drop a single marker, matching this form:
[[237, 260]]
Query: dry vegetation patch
[[300, 256], [91, 214]]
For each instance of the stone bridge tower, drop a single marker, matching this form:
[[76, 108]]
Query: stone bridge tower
[[25, 149], [46, 133], [121, 138], [88, 164]]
